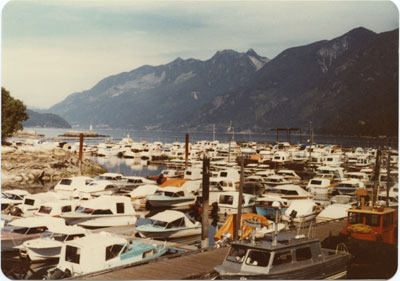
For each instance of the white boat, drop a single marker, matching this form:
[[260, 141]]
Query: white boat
[[103, 211], [100, 251], [174, 197], [169, 224], [12, 197], [320, 188], [32, 202], [349, 187], [69, 185], [133, 182], [56, 208], [138, 196], [275, 180], [97, 188], [228, 203], [289, 175], [20, 230], [48, 246], [301, 211]]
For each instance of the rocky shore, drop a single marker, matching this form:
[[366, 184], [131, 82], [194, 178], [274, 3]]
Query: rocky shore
[[39, 166]]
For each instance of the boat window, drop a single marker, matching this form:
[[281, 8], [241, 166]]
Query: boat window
[[179, 194], [109, 187], [45, 210], [120, 208], [46, 235], [59, 237], [177, 223], [148, 254], [252, 200], [373, 220], [85, 210], [236, 254], [72, 254], [113, 251], [34, 230], [355, 218], [316, 182], [67, 208], [29, 201], [292, 192], [282, 258], [258, 258], [66, 182], [226, 199], [223, 174], [189, 173], [159, 223], [20, 230], [102, 212], [74, 236], [388, 219], [303, 254]]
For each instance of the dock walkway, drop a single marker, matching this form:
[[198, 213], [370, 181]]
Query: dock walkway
[[187, 266]]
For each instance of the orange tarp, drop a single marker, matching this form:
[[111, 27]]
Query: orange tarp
[[256, 157], [229, 225], [174, 182]]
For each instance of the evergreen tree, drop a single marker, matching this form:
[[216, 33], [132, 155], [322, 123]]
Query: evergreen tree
[[12, 114]]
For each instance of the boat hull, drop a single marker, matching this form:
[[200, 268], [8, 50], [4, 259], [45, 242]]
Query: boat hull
[[171, 233]]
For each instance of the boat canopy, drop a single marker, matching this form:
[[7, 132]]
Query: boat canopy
[[174, 183], [228, 226], [37, 221], [116, 204], [170, 216]]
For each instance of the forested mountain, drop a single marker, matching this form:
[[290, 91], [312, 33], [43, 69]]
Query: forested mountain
[[45, 120]]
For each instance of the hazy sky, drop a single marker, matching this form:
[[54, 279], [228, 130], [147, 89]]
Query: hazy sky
[[52, 48]]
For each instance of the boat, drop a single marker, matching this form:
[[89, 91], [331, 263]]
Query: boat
[[170, 197], [264, 205], [68, 186], [349, 187], [56, 208], [275, 180], [97, 188], [12, 197], [133, 182], [48, 246], [283, 256], [138, 196], [289, 175], [20, 230], [103, 211], [100, 251], [228, 203], [301, 211], [33, 202], [169, 224]]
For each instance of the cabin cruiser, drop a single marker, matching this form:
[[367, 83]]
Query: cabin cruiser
[[32, 202], [138, 196], [97, 188], [12, 197], [68, 186], [289, 175], [57, 208], [134, 182], [349, 187], [320, 188], [276, 180], [169, 224], [20, 230], [48, 246], [264, 204], [175, 197], [283, 256], [103, 211], [228, 203], [100, 251], [301, 211]]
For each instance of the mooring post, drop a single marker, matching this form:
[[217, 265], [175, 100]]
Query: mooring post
[[187, 151], [205, 195], [239, 212], [376, 176], [388, 181], [80, 153]]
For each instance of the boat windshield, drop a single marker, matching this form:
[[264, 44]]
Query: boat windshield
[[84, 210], [10, 196], [20, 230], [159, 223], [46, 235], [237, 254], [59, 237]]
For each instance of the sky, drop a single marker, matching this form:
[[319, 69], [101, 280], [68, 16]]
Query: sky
[[53, 48]]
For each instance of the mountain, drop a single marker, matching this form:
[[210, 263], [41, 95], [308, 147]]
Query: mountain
[[46, 120], [347, 85], [159, 96]]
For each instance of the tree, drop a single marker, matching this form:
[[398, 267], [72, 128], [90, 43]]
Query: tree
[[12, 114]]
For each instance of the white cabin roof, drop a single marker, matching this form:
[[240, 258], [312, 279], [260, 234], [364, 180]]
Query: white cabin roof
[[67, 229], [168, 216], [16, 192], [37, 221], [95, 240], [144, 190]]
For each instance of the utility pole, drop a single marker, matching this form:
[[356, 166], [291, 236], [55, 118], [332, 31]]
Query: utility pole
[[239, 212], [205, 195]]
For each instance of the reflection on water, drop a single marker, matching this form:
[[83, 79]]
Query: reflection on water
[[128, 167]]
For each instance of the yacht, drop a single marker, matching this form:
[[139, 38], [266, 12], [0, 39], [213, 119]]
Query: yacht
[[174, 197], [12, 197]]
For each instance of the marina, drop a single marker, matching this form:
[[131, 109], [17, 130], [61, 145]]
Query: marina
[[171, 199]]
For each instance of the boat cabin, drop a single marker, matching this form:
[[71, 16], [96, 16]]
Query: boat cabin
[[56, 208], [69, 185], [12, 197]]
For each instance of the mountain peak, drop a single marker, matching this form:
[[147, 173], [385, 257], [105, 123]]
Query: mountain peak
[[251, 52], [225, 53]]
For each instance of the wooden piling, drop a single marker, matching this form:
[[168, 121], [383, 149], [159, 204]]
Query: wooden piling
[[239, 212], [80, 152], [205, 195], [376, 176]]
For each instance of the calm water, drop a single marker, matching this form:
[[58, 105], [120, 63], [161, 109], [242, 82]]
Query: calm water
[[172, 136]]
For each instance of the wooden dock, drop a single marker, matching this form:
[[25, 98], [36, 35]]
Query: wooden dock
[[190, 265]]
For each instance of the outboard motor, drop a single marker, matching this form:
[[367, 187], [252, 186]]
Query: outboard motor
[[58, 274]]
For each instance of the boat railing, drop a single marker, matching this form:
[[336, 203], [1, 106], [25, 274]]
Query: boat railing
[[342, 248]]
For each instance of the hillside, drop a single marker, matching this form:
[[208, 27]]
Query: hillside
[[45, 120], [347, 85]]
